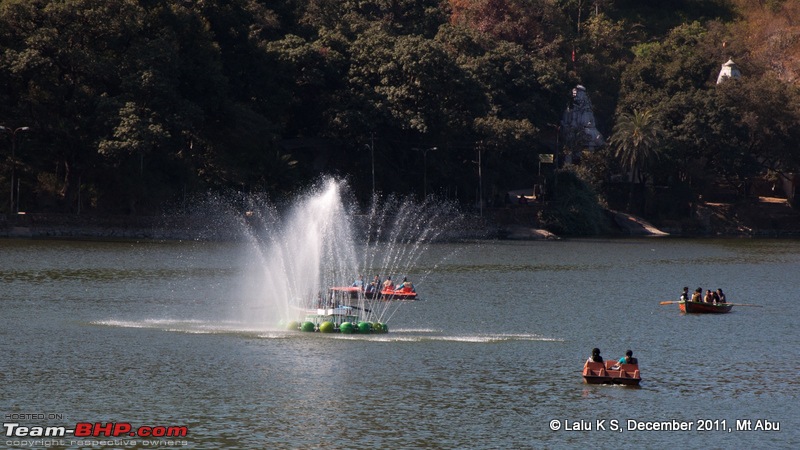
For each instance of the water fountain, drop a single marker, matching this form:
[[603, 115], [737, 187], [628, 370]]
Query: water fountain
[[320, 243]]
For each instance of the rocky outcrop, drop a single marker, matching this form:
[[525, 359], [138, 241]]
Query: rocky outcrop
[[635, 226], [526, 233]]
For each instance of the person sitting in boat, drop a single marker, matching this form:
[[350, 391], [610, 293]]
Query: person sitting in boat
[[373, 286], [721, 296], [595, 356], [698, 295], [709, 298], [685, 295], [715, 297], [406, 285], [388, 285], [628, 358], [359, 282]]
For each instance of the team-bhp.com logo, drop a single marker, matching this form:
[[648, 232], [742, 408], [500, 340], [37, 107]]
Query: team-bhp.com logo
[[97, 429]]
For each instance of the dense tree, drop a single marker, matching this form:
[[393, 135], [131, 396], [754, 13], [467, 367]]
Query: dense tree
[[516, 95], [714, 134], [133, 104], [601, 53], [63, 58], [142, 92], [577, 209], [672, 79], [636, 141], [755, 120], [533, 24]]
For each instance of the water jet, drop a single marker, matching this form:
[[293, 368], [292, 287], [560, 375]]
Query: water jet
[[307, 266]]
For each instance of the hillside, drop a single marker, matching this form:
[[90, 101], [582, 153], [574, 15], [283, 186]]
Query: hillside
[[770, 30], [134, 108]]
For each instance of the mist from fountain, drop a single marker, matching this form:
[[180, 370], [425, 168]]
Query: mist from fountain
[[320, 243]]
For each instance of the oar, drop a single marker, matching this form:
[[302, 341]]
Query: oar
[[672, 302]]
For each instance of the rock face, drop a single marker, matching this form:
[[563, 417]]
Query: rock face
[[527, 233], [636, 226], [762, 216]]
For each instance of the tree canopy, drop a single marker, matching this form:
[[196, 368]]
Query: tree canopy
[[134, 105]]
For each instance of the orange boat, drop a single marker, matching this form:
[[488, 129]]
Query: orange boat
[[405, 293], [386, 294], [611, 372]]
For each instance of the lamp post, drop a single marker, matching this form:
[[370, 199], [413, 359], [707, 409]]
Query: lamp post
[[425, 168], [13, 135], [480, 184], [371, 147], [479, 148]]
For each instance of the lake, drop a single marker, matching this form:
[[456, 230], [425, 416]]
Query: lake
[[166, 335]]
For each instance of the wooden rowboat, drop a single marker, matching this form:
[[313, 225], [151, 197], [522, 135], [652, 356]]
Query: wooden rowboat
[[705, 308], [611, 372]]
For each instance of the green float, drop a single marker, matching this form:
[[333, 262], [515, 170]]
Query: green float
[[335, 314]]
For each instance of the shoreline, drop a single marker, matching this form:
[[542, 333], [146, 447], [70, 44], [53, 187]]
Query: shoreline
[[506, 224]]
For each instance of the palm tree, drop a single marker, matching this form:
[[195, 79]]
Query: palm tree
[[635, 140]]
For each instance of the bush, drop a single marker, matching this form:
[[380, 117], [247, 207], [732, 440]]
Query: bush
[[575, 208]]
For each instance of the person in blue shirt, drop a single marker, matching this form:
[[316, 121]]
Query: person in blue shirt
[[407, 285], [628, 358]]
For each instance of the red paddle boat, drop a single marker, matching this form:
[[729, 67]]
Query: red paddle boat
[[611, 372]]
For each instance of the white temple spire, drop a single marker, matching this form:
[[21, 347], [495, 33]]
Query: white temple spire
[[729, 70]]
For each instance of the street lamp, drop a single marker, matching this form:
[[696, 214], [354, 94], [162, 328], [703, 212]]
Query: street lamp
[[480, 183], [13, 134], [371, 147], [425, 168], [479, 147]]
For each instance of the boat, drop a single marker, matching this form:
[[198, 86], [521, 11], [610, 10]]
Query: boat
[[336, 316], [611, 372], [704, 307], [387, 293], [404, 293]]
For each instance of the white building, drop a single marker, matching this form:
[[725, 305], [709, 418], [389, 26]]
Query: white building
[[729, 70]]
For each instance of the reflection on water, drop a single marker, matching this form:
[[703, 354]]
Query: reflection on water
[[159, 332]]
